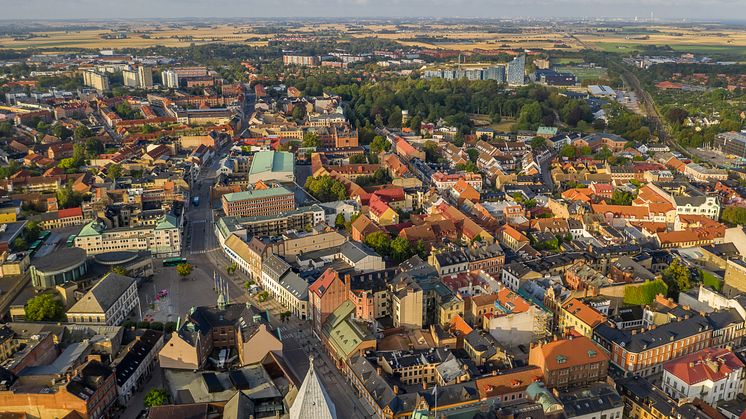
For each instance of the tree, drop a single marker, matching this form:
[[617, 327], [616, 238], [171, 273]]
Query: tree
[[311, 139], [358, 159], [120, 270], [568, 151], [473, 154], [340, 221], [93, 147], [678, 277], [156, 397], [262, 296], [734, 215], [537, 143], [299, 112], [20, 244], [326, 189], [114, 172], [44, 307], [620, 197], [81, 132], [432, 152], [676, 115], [61, 131], [379, 144], [184, 269], [401, 249], [378, 241]]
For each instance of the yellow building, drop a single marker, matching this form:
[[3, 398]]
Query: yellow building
[[579, 316]]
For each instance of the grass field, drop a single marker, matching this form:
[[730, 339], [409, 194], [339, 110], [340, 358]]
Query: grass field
[[583, 73], [694, 40]]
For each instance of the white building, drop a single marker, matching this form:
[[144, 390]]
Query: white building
[[109, 302], [285, 286], [707, 206], [170, 79], [712, 375], [162, 239], [145, 77]]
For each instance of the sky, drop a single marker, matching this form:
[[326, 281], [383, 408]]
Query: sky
[[104, 9]]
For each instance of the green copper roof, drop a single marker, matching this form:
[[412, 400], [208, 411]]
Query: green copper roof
[[272, 161], [341, 332], [94, 228], [257, 193], [167, 222]]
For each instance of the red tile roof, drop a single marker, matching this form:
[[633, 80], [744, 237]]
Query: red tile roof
[[70, 212], [709, 364]]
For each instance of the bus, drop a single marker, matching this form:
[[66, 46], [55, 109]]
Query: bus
[[34, 246], [174, 261], [71, 240], [44, 235]]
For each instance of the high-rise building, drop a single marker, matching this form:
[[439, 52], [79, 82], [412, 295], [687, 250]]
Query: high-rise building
[[517, 71], [96, 80], [145, 77], [130, 79], [170, 79]]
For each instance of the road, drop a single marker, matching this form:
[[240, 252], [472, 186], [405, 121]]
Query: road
[[545, 165]]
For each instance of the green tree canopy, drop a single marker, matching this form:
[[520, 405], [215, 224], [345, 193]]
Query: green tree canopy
[[678, 277], [184, 269], [44, 307], [156, 397], [326, 189]]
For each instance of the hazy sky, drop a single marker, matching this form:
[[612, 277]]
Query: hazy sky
[[67, 9]]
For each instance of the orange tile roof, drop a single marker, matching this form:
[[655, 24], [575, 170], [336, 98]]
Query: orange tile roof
[[458, 324], [571, 352], [512, 381], [622, 211], [583, 312]]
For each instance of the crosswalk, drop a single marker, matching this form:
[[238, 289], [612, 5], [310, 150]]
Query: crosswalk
[[200, 252]]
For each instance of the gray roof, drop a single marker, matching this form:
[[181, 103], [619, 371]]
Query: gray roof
[[103, 295], [595, 398], [295, 285], [356, 251], [653, 338], [695, 201]]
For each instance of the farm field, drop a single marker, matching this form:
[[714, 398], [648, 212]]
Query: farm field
[[697, 41], [164, 36]]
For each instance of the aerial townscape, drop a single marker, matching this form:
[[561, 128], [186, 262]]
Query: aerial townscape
[[400, 217]]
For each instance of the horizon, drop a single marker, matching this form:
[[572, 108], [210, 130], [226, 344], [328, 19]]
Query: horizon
[[661, 10]]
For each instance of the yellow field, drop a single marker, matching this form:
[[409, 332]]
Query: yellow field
[[164, 36], [454, 37]]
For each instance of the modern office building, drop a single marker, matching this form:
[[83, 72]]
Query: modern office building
[[733, 143], [258, 202], [517, 71], [64, 265]]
